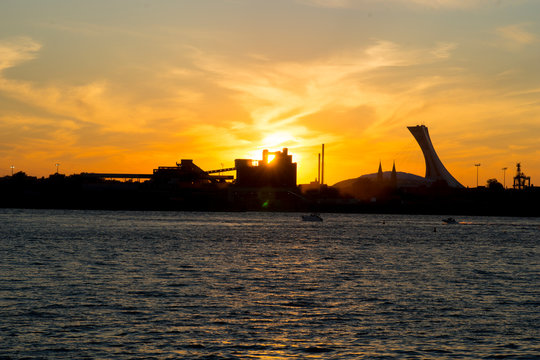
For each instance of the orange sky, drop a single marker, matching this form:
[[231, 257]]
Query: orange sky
[[126, 86]]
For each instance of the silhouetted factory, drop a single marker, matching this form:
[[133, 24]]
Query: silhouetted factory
[[186, 173], [276, 170]]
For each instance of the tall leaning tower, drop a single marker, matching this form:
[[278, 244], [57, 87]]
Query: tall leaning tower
[[435, 169]]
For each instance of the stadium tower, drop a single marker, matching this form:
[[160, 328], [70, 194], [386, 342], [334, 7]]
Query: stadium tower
[[435, 169]]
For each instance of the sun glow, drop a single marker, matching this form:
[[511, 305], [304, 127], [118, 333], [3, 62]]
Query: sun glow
[[277, 139]]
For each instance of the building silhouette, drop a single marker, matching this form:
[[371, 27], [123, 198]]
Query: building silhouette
[[380, 174], [435, 170], [393, 175], [278, 172]]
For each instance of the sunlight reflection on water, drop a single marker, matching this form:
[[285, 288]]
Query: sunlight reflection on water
[[266, 285]]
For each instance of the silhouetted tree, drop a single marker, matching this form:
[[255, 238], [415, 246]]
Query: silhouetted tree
[[493, 184]]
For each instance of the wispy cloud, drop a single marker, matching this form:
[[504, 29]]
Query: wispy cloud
[[281, 94], [443, 50], [335, 99], [17, 50], [515, 36]]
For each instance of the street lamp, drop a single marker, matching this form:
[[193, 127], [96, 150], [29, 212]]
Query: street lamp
[[12, 167], [477, 166], [57, 165], [504, 176]]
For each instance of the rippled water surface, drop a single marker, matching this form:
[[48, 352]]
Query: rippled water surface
[[124, 285]]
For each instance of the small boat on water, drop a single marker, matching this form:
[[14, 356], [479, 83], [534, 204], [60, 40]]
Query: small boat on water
[[312, 217], [450, 220]]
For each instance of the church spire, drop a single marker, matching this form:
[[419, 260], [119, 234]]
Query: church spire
[[393, 176], [380, 173]]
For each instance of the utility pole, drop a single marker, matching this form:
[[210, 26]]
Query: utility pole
[[504, 177], [319, 170], [322, 166], [477, 166]]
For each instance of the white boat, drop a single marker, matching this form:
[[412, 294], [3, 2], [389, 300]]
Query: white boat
[[312, 217]]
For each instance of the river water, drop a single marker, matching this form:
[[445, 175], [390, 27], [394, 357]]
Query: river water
[[186, 285]]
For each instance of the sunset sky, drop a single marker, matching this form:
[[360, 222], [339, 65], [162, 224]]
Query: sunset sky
[[127, 86]]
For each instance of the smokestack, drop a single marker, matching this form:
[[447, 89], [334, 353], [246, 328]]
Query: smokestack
[[319, 169], [322, 166]]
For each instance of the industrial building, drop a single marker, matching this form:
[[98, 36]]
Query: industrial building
[[276, 169], [187, 174]]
